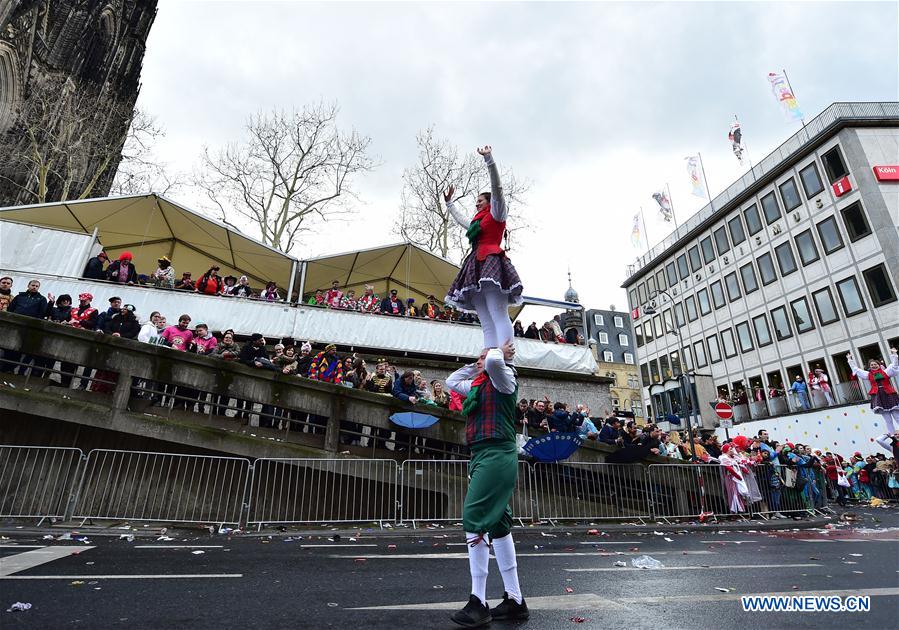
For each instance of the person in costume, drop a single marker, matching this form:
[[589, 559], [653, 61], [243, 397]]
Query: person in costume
[[884, 399], [334, 295], [487, 283], [326, 366], [369, 302], [490, 388]]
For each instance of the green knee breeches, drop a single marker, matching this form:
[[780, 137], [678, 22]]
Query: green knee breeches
[[493, 472]]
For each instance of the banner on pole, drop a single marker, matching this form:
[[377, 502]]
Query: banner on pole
[[736, 141], [694, 168], [637, 232], [784, 95], [665, 210]]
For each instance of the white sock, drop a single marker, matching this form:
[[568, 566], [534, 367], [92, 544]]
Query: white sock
[[504, 550], [478, 560], [888, 418]]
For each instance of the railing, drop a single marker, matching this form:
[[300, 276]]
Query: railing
[[43, 482], [796, 143]]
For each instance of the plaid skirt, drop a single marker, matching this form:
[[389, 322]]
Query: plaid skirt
[[882, 401], [496, 269]]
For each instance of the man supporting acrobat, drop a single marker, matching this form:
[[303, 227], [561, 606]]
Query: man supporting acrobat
[[490, 387]]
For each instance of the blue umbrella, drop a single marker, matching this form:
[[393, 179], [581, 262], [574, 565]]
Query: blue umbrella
[[413, 420], [553, 447]]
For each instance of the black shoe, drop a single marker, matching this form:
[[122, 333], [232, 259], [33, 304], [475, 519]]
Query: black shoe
[[511, 610], [474, 615]]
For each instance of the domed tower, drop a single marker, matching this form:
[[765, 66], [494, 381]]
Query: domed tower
[[571, 295], [71, 65], [572, 319]]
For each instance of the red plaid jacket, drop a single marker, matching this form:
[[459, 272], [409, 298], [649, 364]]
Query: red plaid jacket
[[494, 418]]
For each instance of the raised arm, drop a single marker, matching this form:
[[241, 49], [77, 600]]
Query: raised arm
[[497, 202], [893, 368], [460, 380], [460, 218], [862, 374]]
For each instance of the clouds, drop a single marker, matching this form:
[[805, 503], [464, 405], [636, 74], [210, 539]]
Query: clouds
[[596, 104]]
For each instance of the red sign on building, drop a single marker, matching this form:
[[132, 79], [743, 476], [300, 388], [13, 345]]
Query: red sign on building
[[886, 173], [842, 186], [635, 314], [724, 411]]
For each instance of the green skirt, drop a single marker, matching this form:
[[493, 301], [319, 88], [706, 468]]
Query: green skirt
[[493, 473]]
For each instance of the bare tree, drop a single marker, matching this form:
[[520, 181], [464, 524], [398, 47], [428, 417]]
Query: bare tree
[[140, 170], [292, 171], [64, 144], [424, 219]]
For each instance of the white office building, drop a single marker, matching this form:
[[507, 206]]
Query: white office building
[[789, 269]]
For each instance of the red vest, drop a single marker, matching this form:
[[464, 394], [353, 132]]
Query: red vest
[[887, 386], [491, 235]]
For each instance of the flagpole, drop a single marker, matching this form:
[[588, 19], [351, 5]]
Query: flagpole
[[671, 203], [787, 77], [708, 191], [645, 231]]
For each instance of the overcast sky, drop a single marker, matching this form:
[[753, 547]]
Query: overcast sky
[[596, 104]]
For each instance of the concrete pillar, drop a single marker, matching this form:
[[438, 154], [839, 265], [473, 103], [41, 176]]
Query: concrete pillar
[[332, 431], [122, 392]]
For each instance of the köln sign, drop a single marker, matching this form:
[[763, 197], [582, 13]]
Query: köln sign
[[886, 173]]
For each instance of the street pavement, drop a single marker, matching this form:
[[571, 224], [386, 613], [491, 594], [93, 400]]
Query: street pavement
[[417, 581]]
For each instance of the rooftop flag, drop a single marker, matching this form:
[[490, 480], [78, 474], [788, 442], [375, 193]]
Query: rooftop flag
[[665, 210], [637, 233], [697, 177], [736, 140], [780, 86]]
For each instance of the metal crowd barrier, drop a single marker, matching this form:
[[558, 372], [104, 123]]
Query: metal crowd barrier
[[679, 491], [162, 487], [37, 481], [434, 490], [591, 490], [322, 491]]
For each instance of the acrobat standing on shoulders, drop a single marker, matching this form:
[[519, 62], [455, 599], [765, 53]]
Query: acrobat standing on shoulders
[[487, 282], [490, 387], [884, 399]]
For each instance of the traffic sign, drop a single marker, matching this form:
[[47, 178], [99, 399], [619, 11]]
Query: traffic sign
[[724, 411], [726, 423]]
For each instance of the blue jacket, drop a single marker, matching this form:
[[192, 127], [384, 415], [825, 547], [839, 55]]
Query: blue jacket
[[402, 391], [561, 421], [29, 304], [608, 434]]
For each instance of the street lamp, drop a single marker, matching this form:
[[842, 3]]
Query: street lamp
[[688, 396]]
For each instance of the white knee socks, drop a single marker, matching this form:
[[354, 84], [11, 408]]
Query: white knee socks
[[504, 549], [891, 419], [498, 310], [488, 327], [478, 559]]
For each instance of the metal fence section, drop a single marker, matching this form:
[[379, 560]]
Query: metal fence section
[[434, 490], [591, 491], [37, 481], [679, 491], [143, 486], [323, 491]]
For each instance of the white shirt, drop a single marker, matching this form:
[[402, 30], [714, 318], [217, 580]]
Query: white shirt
[[501, 375]]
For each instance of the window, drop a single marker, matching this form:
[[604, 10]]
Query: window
[[811, 181], [676, 367], [727, 341], [744, 337], [644, 375], [598, 320], [641, 293], [691, 308], [771, 208], [695, 262], [704, 305], [718, 294], [657, 326], [672, 274], [708, 252], [830, 235], [638, 333], [699, 353], [850, 296], [834, 165], [650, 285], [660, 279], [766, 269], [607, 357], [781, 323], [802, 316], [805, 244], [668, 322], [688, 359], [790, 194], [664, 366], [632, 296], [647, 331], [827, 310], [855, 221], [785, 259], [750, 284], [753, 221], [619, 321], [654, 371], [737, 234], [604, 338], [629, 359], [880, 289], [682, 266], [714, 349], [733, 287], [679, 318], [762, 332], [623, 340], [721, 241]]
